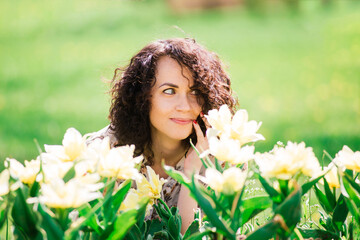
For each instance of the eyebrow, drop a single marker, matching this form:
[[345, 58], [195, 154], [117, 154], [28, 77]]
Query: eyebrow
[[169, 84]]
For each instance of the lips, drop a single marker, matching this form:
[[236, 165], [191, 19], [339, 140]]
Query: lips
[[182, 121]]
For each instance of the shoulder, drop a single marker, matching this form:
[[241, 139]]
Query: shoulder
[[101, 134]]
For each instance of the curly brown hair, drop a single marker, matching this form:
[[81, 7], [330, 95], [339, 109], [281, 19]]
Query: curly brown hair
[[131, 86]]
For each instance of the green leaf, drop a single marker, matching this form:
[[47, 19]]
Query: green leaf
[[210, 212], [174, 211], [91, 219], [308, 185], [134, 233], [351, 198], [252, 206], [290, 210], [192, 229], [265, 232], [329, 195], [142, 211], [163, 235], [274, 195], [318, 233], [198, 235], [138, 231], [162, 211], [52, 228], [23, 217], [352, 182], [71, 232], [122, 225], [120, 194], [236, 210], [174, 225], [69, 174], [218, 166], [177, 175], [323, 200], [340, 213], [154, 226], [3, 213], [34, 190], [207, 163], [349, 190], [107, 208]]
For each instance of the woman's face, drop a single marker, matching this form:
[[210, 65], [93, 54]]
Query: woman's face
[[174, 104]]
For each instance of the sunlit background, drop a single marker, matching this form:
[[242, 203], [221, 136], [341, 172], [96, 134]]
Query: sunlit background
[[294, 64]]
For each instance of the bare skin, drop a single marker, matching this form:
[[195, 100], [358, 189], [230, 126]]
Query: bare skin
[[174, 109]]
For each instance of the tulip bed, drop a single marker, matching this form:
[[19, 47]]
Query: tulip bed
[[85, 191]]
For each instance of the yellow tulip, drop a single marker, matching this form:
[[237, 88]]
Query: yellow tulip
[[150, 187]]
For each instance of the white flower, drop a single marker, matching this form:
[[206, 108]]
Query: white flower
[[346, 157], [237, 127], [4, 182], [53, 168], [219, 119], [230, 150], [232, 180], [150, 188], [243, 130], [96, 150], [284, 163], [72, 194], [27, 174], [73, 146], [120, 163], [331, 177], [131, 201]]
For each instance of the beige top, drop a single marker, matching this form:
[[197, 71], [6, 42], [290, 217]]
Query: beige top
[[171, 188]]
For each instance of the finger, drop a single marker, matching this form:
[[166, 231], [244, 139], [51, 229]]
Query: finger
[[202, 116], [201, 139]]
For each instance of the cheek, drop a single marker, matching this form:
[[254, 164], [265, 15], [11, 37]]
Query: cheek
[[197, 107], [158, 110]]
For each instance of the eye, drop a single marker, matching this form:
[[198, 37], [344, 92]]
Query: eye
[[169, 91]]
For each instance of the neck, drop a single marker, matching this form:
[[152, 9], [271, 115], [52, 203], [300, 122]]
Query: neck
[[170, 150]]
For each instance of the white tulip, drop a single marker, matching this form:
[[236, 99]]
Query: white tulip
[[349, 159]]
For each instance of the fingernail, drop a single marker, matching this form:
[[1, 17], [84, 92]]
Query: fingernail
[[195, 122], [201, 114]]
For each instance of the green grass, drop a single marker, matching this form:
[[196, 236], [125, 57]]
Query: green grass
[[298, 73]]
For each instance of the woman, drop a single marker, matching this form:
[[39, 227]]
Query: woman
[[158, 104]]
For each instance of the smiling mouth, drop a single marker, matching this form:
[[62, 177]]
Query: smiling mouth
[[181, 121]]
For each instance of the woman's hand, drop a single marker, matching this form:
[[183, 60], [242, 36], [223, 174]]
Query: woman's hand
[[192, 162]]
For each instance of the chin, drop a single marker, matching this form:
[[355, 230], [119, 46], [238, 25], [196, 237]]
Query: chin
[[181, 135]]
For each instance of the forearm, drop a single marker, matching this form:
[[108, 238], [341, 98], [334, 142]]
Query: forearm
[[186, 206]]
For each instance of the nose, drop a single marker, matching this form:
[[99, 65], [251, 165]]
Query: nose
[[183, 103]]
